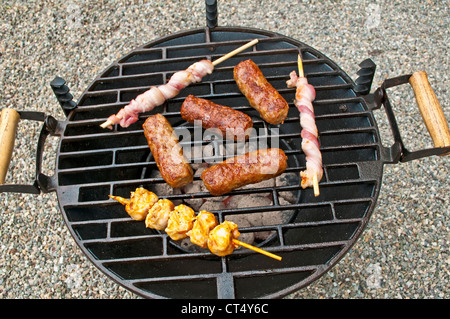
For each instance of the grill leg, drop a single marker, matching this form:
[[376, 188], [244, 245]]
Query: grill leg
[[225, 286]]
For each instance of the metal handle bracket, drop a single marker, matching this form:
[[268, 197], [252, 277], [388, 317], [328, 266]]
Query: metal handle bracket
[[398, 152], [42, 182]]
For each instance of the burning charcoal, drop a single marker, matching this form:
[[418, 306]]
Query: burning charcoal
[[211, 206], [243, 222], [251, 219], [198, 168], [252, 200], [188, 245], [208, 150], [163, 189], [194, 187], [266, 183], [288, 179], [285, 215], [289, 197]]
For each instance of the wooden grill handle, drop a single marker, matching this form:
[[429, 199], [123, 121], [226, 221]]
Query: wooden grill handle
[[431, 110], [9, 120]]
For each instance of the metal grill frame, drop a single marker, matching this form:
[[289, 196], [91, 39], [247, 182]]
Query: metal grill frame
[[233, 276]]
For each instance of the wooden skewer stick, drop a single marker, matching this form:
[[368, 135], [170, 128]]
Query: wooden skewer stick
[[316, 185], [108, 123], [240, 243], [302, 75], [300, 67], [234, 52]]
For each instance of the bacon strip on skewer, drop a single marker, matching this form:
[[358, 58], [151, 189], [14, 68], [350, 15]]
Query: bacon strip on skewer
[[156, 96], [180, 222], [304, 96]]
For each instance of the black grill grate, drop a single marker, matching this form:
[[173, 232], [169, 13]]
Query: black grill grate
[[93, 162]]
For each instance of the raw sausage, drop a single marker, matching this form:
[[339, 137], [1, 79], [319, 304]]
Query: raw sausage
[[167, 152], [232, 123], [244, 169], [261, 95]]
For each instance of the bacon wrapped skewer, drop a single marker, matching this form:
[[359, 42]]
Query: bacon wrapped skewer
[[304, 96], [156, 96]]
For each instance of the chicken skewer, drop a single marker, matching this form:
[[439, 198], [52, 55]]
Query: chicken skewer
[[222, 238], [156, 96], [204, 223], [180, 222], [305, 94]]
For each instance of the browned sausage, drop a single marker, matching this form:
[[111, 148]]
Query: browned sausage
[[244, 169], [261, 95], [167, 152], [232, 123]]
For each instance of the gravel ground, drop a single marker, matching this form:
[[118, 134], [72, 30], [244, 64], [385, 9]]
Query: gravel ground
[[403, 252]]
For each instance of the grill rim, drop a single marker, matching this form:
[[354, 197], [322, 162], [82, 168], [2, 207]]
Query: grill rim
[[321, 269]]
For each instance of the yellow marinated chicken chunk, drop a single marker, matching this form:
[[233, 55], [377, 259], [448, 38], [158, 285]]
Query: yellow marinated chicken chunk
[[140, 202], [159, 214], [220, 241], [180, 222], [203, 224]]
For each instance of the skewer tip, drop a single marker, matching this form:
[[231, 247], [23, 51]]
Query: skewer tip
[[234, 52], [300, 67], [259, 250], [121, 200], [316, 185], [107, 124]]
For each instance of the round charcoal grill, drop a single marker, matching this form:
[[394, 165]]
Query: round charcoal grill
[[93, 162]]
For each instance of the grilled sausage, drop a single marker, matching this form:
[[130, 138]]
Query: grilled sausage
[[167, 152], [232, 123], [261, 95], [245, 169]]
